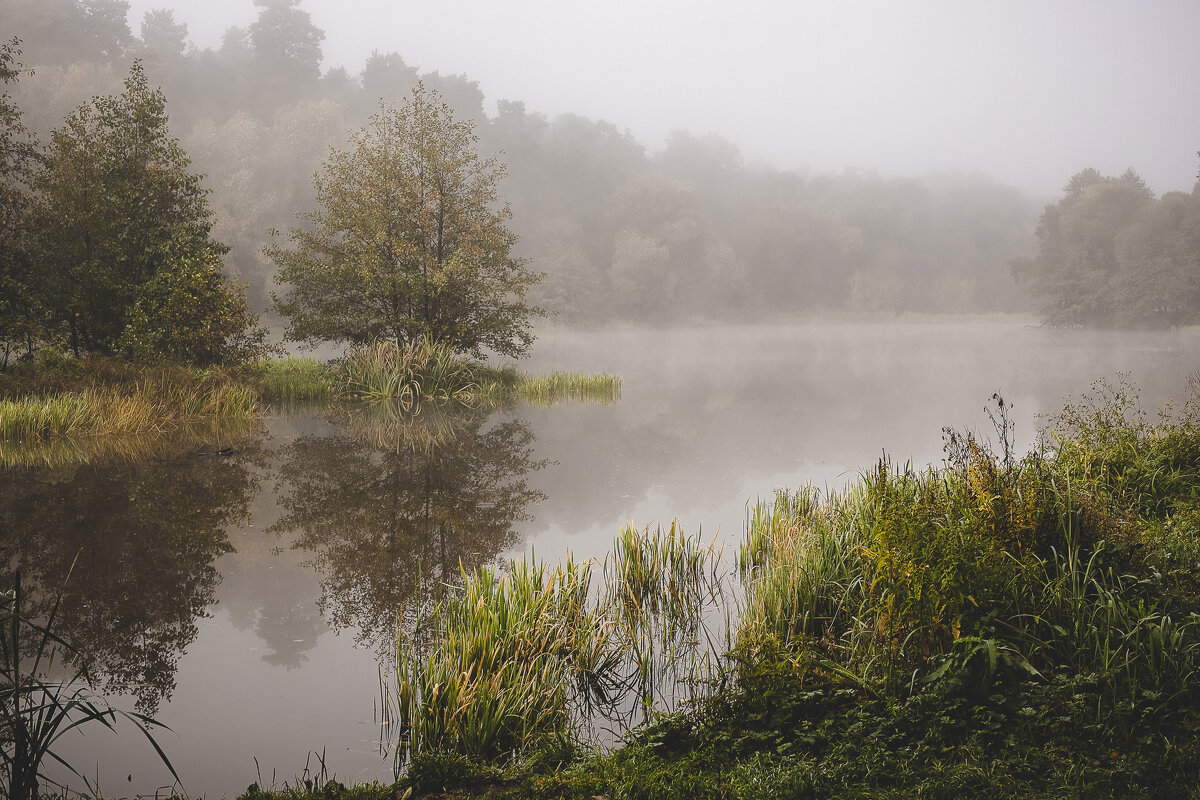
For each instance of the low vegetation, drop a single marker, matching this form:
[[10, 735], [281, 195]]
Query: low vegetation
[[558, 387], [56, 397], [525, 657], [294, 380], [62, 396], [997, 627], [426, 372]]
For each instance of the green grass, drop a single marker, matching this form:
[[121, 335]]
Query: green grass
[[423, 371], [149, 407], [559, 387], [295, 380], [524, 655], [997, 627]]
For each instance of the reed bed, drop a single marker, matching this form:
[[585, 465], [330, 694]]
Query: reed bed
[[295, 380], [524, 654], [421, 371], [559, 387], [509, 650], [149, 407]]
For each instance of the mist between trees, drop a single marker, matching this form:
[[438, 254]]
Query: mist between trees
[[622, 234]]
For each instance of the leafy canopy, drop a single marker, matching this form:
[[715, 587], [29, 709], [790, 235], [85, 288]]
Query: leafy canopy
[[124, 242], [409, 241], [18, 158]]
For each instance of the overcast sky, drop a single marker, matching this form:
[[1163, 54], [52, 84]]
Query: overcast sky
[[1027, 91]]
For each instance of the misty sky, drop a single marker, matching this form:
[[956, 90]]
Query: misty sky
[[1028, 92]]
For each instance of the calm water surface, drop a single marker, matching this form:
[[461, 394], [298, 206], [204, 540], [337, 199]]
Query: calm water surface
[[248, 600]]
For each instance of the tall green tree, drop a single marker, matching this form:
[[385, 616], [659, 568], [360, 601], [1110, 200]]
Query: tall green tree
[[125, 249], [20, 317], [286, 52], [409, 242]]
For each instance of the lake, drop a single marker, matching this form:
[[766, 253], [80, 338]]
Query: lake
[[249, 598]]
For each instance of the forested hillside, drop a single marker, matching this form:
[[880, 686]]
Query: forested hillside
[[622, 232]]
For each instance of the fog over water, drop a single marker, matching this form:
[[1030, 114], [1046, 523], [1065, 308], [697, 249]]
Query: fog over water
[[1027, 93]]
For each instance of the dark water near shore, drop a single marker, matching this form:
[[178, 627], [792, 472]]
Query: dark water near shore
[[248, 600]]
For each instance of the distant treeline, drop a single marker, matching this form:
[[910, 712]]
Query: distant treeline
[[689, 232], [1112, 254]]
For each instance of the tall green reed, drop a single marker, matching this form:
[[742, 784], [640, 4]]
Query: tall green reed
[[419, 371], [558, 387], [295, 380], [525, 654]]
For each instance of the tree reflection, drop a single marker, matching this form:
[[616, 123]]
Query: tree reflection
[[398, 500], [143, 538]]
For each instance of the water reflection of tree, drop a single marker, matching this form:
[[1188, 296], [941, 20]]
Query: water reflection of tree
[[397, 497], [146, 536]]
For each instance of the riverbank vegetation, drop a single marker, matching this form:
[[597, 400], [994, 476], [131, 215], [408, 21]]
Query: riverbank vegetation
[[104, 405], [1001, 626], [58, 395]]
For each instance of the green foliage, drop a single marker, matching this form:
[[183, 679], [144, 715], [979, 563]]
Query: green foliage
[[407, 245], [1074, 558], [137, 271], [20, 310], [193, 315], [294, 379], [558, 387]]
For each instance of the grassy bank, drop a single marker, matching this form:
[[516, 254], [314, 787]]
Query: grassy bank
[[998, 627], [151, 403], [60, 396]]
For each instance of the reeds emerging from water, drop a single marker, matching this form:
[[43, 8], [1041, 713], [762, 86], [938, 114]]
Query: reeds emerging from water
[[558, 387], [525, 654], [508, 651], [422, 371], [295, 380]]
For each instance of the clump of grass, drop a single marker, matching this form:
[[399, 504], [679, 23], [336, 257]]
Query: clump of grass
[[559, 387], [295, 380], [524, 655], [507, 653], [418, 372]]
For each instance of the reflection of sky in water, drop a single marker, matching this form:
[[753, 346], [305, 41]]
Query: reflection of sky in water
[[710, 419]]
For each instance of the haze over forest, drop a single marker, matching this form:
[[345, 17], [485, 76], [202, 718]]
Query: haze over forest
[[701, 161]]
